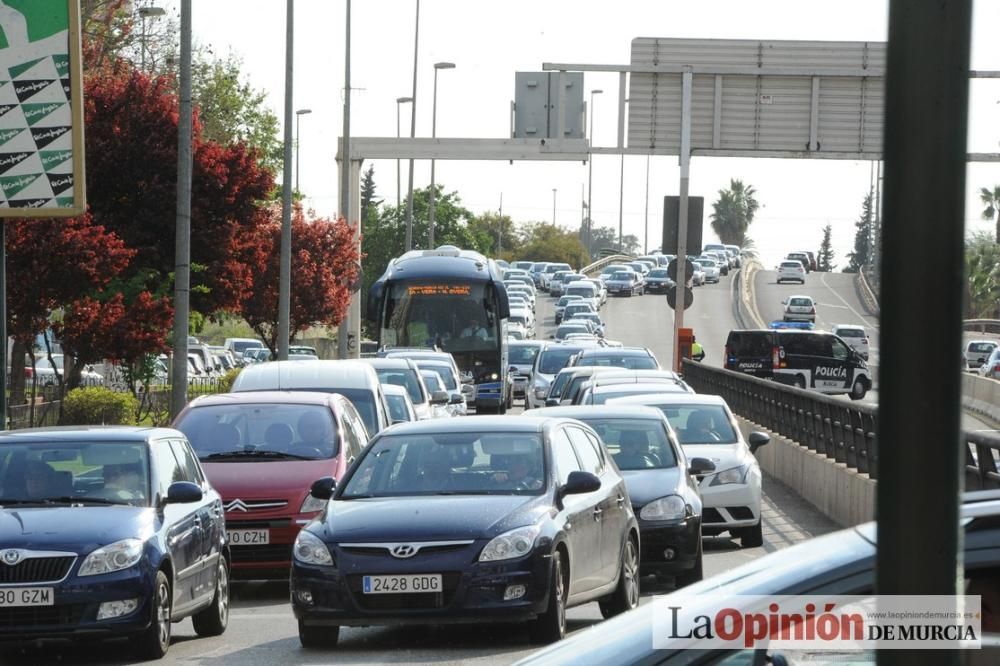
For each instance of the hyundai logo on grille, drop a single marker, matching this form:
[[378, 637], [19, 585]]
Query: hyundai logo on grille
[[403, 550], [11, 556]]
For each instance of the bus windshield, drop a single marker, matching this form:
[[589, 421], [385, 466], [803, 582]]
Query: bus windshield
[[456, 317]]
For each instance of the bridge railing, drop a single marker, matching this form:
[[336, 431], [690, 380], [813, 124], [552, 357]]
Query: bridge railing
[[599, 265], [843, 431]]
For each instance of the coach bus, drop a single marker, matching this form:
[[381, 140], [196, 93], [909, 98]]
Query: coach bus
[[453, 300]]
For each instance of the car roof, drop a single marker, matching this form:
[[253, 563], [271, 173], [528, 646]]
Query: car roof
[[673, 398], [306, 374], [580, 283], [851, 326], [620, 351], [124, 434], [800, 296], [527, 343], [269, 397], [640, 387], [392, 363], [601, 412], [482, 424]]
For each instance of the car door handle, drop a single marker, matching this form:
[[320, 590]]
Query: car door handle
[[597, 513], [621, 501]]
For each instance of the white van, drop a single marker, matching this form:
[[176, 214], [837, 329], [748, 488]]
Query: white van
[[355, 380], [586, 290]]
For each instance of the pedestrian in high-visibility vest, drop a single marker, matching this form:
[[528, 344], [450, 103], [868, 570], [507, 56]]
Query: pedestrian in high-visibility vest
[[697, 351]]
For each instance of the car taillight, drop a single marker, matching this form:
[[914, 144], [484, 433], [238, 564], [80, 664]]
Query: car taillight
[[28, 372], [812, 310], [726, 357], [777, 358]]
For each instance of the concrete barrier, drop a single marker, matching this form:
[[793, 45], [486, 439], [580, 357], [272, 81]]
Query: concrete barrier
[[981, 396], [844, 495]]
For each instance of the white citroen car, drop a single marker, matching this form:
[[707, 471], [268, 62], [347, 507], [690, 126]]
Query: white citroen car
[[708, 429]]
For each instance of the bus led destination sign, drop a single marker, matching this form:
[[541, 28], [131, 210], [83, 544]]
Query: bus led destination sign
[[439, 290]]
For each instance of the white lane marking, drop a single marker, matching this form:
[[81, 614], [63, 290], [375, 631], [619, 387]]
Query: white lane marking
[[822, 278], [831, 305]]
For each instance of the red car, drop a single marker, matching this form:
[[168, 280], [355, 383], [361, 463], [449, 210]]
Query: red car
[[263, 451]]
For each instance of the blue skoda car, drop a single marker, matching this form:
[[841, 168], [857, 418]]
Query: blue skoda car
[[108, 531]]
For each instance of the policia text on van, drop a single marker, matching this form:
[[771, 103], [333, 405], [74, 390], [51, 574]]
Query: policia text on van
[[807, 359]]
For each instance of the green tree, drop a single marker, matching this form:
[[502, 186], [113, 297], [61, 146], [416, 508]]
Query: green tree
[[982, 267], [548, 242], [232, 111], [368, 200], [824, 258], [733, 212], [861, 257], [991, 201], [490, 227], [607, 237]]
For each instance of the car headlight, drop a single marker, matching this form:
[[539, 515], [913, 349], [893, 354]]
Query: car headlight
[[310, 549], [509, 545], [113, 557], [671, 507], [494, 376], [312, 504], [734, 475]]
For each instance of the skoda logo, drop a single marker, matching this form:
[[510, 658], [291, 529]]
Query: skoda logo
[[11, 556], [403, 550], [237, 505]]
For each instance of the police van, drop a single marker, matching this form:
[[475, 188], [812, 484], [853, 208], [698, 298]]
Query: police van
[[806, 359]]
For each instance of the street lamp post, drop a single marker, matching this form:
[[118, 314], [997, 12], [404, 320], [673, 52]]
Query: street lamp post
[[399, 101], [298, 147], [145, 13], [590, 170], [430, 202], [554, 190], [413, 131]]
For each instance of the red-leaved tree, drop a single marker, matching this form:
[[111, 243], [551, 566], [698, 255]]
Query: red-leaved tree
[[324, 269], [131, 141]]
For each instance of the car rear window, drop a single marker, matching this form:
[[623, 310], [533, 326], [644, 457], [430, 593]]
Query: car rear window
[[982, 347], [554, 360], [627, 361], [852, 333], [791, 264], [800, 302], [750, 344]]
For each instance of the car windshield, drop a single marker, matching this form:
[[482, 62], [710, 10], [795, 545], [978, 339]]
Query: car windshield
[[700, 424], [432, 380], [562, 302], [53, 473], [261, 431], [634, 443], [658, 273], [566, 329], [552, 361], [494, 463], [442, 370], [522, 354], [613, 360], [405, 377], [397, 407], [622, 275]]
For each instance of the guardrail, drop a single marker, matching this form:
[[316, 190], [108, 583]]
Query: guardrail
[[982, 325], [606, 261], [842, 431]]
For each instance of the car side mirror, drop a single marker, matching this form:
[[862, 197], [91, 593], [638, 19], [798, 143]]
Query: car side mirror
[[552, 337], [398, 421], [757, 440], [456, 399], [323, 488], [512, 369], [440, 397], [699, 466], [552, 402], [184, 492], [579, 483]]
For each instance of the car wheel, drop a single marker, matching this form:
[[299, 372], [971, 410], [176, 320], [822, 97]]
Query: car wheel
[[859, 389], [692, 575], [154, 642], [751, 537], [318, 637], [550, 626], [626, 595], [800, 382], [213, 620]]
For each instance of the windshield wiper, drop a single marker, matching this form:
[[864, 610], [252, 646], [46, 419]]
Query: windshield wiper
[[9, 501], [66, 499], [255, 454]]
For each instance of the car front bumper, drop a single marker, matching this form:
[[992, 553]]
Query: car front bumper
[[668, 547], [730, 506], [471, 593]]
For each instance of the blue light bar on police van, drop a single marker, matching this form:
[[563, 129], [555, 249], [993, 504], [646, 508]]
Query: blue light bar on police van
[[804, 325]]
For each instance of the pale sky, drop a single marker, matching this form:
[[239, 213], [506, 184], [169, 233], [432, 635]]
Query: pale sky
[[490, 41]]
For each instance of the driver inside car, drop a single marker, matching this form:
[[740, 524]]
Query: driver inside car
[[314, 436]]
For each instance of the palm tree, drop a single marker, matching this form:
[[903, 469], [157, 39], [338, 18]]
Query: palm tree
[[734, 212], [992, 202]]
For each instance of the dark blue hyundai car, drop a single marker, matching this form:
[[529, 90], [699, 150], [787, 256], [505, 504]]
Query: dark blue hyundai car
[[469, 520], [108, 532]]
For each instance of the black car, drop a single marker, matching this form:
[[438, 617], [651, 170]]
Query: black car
[[108, 532], [659, 281], [469, 520], [840, 563], [661, 486]]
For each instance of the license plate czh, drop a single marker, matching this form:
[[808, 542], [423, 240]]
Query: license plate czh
[[402, 584], [248, 537], [26, 596]]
